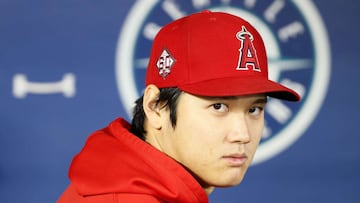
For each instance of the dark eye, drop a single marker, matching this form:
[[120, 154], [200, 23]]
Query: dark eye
[[256, 110], [220, 107]]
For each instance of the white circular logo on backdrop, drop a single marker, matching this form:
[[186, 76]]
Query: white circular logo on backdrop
[[296, 43]]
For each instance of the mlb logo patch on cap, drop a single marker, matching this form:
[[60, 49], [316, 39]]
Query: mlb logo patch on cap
[[164, 63]]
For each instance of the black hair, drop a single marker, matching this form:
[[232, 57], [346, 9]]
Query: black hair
[[168, 97]]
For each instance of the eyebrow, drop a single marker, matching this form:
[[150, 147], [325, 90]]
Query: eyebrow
[[260, 100]]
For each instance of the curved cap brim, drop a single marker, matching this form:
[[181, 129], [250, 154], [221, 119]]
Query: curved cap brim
[[240, 87]]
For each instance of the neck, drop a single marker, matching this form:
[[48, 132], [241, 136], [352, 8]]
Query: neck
[[208, 190]]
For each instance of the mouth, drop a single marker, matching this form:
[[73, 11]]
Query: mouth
[[236, 160]]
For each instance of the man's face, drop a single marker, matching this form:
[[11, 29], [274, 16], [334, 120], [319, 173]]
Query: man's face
[[215, 138]]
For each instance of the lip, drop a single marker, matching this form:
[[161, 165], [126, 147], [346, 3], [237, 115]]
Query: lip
[[236, 160]]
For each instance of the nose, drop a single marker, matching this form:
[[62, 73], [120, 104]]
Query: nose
[[239, 131]]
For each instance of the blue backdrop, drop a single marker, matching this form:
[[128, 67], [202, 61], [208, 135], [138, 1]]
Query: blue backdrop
[[68, 68]]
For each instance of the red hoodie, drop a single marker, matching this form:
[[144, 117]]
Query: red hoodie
[[116, 166]]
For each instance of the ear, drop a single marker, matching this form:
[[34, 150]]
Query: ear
[[151, 109]]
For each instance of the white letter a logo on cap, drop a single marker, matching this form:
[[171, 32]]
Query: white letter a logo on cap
[[247, 57]]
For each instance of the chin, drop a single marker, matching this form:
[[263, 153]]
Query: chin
[[230, 182]]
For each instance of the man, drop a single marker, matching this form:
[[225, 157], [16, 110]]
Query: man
[[197, 125]]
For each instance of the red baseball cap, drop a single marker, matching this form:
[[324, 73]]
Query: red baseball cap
[[213, 54]]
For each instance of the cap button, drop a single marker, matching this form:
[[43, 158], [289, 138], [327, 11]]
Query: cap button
[[206, 11]]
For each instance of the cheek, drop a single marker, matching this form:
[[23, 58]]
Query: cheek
[[196, 139], [259, 130], [195, 132], [256, 134]]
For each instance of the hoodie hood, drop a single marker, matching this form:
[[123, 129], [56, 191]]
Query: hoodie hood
[[115, 161]]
